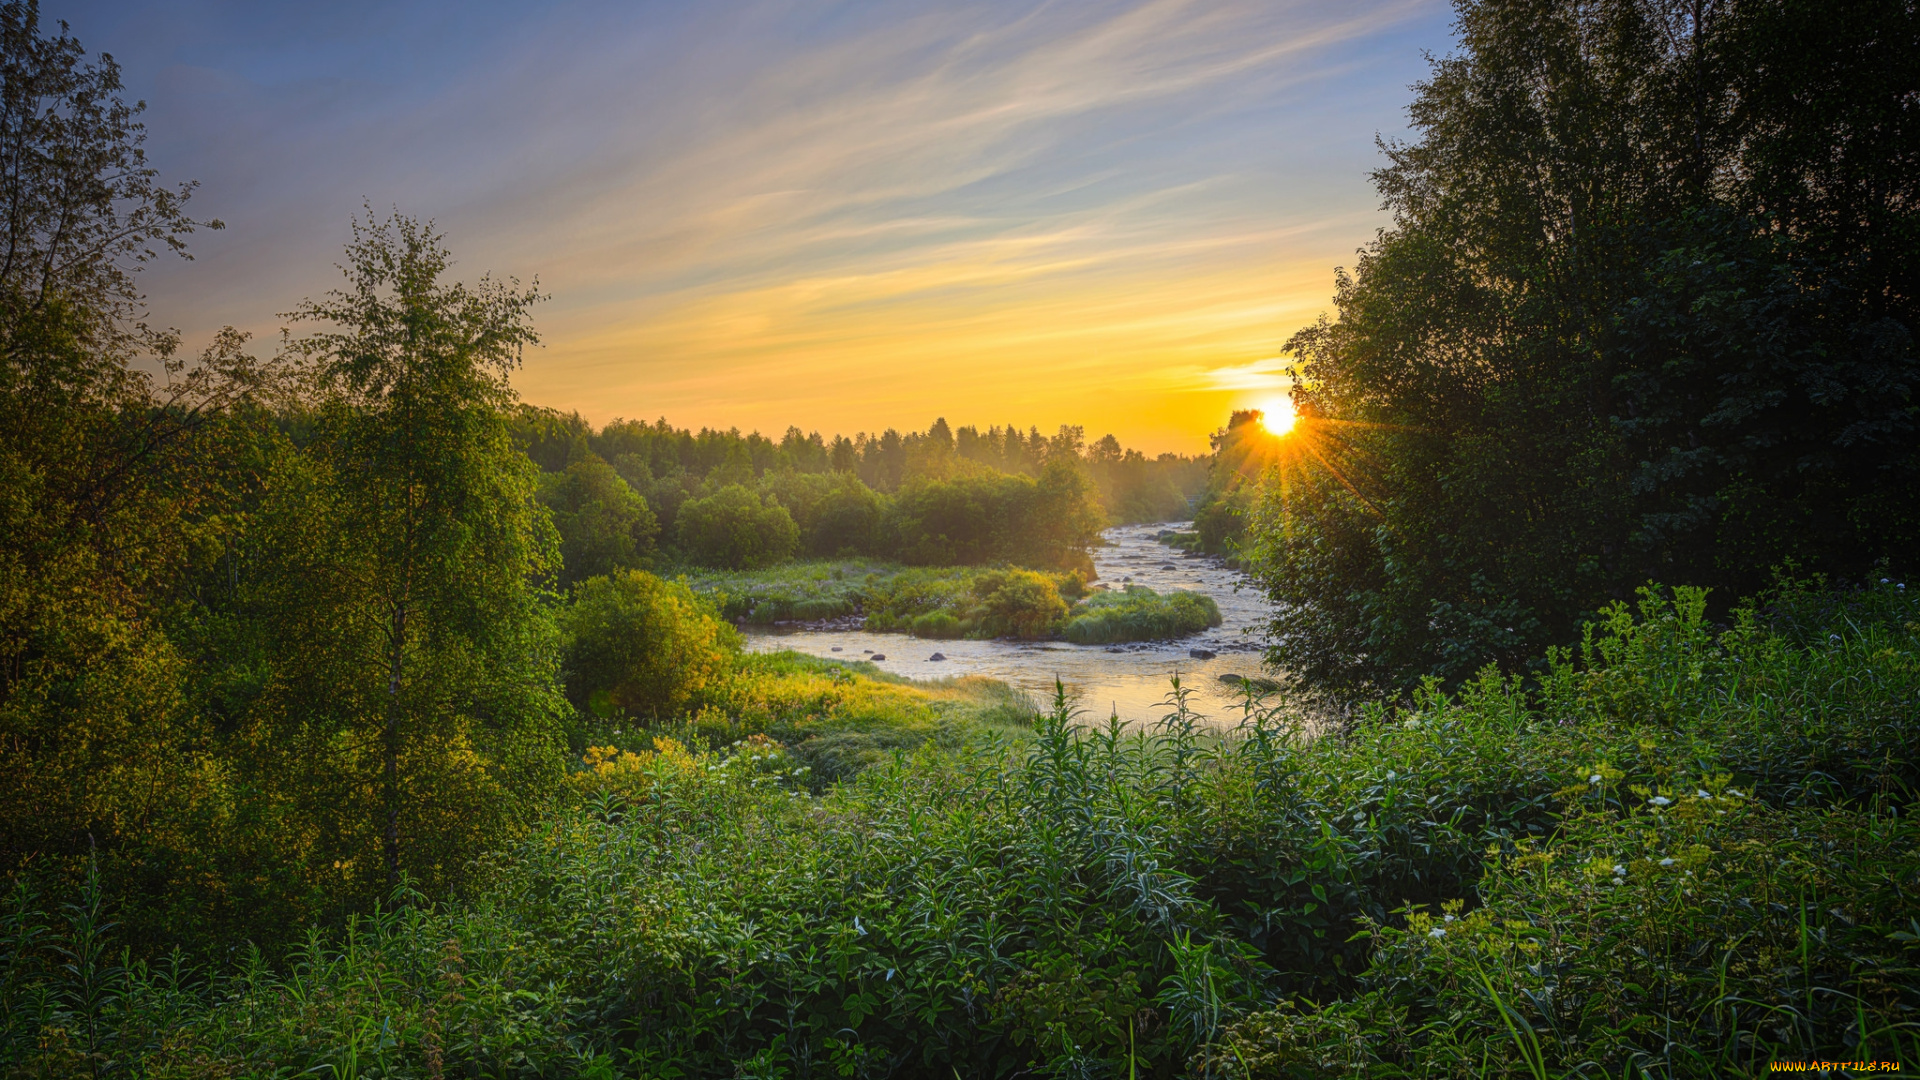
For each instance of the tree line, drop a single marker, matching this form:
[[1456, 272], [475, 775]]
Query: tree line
[[630, 492]]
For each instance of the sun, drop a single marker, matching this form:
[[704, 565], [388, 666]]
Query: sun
[[1277, 415]]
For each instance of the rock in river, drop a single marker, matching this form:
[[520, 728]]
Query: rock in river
[[937, 656], [1201, 654], [878, 656]]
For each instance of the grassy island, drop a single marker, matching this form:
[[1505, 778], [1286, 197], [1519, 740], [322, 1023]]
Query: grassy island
[[957, 602]]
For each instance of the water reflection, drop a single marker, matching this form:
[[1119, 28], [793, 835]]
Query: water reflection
[[1131, 680]]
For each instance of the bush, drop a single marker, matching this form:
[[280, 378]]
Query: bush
[[734, 530], [1139, 614], [938, 624], [1017, 603], [642, 647], [1729, 932], [961, 603]]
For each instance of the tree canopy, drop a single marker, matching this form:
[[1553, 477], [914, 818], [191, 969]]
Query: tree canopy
[[1645, 311]]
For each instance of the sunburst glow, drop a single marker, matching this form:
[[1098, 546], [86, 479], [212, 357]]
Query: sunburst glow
[[1277, 416]]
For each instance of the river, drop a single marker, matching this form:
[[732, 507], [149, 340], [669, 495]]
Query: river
[[1131, 680]]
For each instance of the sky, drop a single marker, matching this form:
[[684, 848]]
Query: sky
[[844, 216]]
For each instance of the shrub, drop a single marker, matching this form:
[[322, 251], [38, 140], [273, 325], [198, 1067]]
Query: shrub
[[1017, 603], [1139, 614], [641, 646], [1730, 933], [734, 530], [937, 624]]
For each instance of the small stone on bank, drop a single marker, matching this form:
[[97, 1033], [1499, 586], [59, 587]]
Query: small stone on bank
[[937, 656]]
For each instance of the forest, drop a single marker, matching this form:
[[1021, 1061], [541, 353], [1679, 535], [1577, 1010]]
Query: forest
[[359, 719]]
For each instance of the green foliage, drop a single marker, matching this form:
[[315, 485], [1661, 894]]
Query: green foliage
[[984, 604], [1135, 489], [83, 206], [837, 514], [1016, 603], [603, 524], [733, 529], [1137, 613], [840, 718], [412, 659], [927, 499], [115, 494], [1241, 451], [976, 518], [1646, 309], [957, 602], [797, 590], [639, 646], [1429, 892]]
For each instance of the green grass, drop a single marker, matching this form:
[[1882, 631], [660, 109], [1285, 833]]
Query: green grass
[[1427, 891], [822, 589]]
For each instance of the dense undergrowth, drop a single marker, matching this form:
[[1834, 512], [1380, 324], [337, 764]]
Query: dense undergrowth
[[1682, 852], [958, 602]]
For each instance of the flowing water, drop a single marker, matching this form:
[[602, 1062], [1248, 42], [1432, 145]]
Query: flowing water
[[1130, 680]]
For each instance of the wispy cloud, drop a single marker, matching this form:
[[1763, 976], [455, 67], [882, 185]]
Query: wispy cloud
[[831, 213], [1270, 374]]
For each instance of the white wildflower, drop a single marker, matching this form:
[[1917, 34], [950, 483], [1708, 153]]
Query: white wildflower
[[1666, 862], [1660, 800], [1594, 779], [1436, 932]]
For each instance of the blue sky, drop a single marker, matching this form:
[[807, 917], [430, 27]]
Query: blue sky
[[840, 215]]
